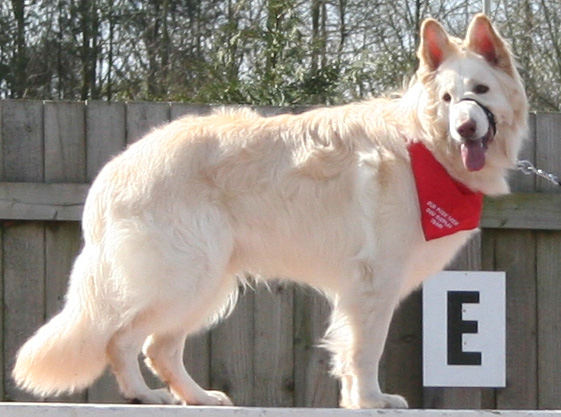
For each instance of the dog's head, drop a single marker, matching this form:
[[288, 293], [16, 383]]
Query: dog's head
[[476, 108]]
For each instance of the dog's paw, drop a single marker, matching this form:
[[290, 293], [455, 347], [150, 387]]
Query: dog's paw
[[385, 401], [378, 401], [214, 398], [220, 398], [157, 396]]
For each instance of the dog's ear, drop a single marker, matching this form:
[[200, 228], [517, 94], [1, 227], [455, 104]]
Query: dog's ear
[[482, 39], [435, 44]]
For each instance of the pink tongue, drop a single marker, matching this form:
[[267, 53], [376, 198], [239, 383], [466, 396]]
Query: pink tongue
[[473, 155]]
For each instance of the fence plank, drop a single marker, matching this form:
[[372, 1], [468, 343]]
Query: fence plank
[[519, 211], [549, 325], [274, 355], [233, 352], [548, 158], [197, 356], [24, 293], [274, 333], [519, 181], [37, 201], [65, 142], [2, 295], [63, 244], [179, 110], [143, 117], [65, 161], [312, 383], [105, 138], [488, 244], [401, 366], [105, 134], [64, 201], [22, 145], [23, 243], [513, 251]]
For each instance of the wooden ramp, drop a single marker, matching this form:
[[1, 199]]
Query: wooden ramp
[[105, 410]]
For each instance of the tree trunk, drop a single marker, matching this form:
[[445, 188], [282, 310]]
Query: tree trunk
[[20, 52]]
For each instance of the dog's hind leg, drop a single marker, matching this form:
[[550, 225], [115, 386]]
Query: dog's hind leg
[[170, 277], [122, 351], [164, 355], [163, 350]]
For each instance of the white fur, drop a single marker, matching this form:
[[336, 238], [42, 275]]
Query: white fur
[[325, 198]]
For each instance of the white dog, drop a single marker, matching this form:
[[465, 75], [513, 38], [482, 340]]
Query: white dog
[[326, 198]]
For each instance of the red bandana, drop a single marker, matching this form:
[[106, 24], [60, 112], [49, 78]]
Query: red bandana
[[447, 206]]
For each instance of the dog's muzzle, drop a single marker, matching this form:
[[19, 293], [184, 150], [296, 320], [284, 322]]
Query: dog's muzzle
[[488, 113], [473, 149]]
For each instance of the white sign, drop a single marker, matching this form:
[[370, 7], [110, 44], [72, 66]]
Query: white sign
[[464, 329]]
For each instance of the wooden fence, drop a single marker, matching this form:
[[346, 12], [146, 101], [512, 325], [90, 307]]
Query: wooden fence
[[265, 354]]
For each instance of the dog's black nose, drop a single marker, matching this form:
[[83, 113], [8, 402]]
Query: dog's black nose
[[467, 129]]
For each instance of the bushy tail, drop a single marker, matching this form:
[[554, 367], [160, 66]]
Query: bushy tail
[[69, 352], [65, 355]]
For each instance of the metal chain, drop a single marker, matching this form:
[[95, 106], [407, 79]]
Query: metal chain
[[528, 168]]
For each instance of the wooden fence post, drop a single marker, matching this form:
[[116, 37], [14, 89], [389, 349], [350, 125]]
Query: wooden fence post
[[23, 242], [105, 138]]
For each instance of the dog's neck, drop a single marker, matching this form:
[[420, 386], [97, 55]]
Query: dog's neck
[[491, 180], [446, 205]]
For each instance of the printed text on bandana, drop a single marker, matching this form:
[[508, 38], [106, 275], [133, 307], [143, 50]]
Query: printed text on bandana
[[439, 217]]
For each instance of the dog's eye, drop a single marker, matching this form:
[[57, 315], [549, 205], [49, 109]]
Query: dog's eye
[[446, 97], [480, 89]]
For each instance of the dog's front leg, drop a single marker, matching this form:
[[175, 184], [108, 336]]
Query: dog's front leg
[[357, 336]]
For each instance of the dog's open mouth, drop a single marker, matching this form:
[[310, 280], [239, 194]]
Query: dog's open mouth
[[473, 151]]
